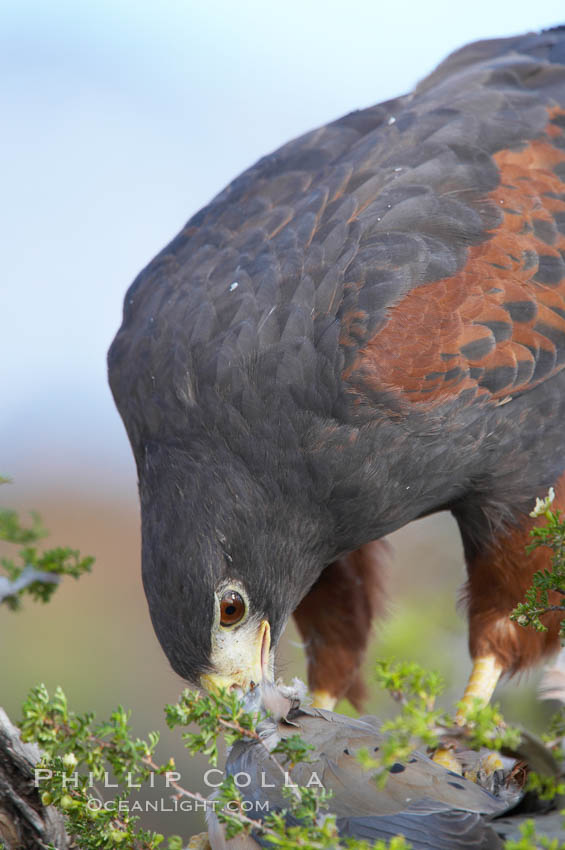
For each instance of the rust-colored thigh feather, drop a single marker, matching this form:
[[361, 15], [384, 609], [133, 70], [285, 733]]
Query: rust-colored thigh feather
[[335, 618]]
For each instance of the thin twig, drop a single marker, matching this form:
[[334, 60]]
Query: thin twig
[[194, 795], [251, 733], [29, 575]]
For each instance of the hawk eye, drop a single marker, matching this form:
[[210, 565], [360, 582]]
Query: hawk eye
[[232, 608]]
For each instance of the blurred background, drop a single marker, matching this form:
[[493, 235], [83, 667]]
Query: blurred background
[[120, 120]]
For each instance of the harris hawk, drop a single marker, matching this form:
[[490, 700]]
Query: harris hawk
[[364, 328]]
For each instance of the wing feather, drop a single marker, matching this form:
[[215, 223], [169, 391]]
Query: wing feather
[[423, 238]]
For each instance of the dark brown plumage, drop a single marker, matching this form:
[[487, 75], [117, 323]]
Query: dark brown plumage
[[365, 327]]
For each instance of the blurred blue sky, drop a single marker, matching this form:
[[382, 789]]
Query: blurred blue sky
[[120, 119]]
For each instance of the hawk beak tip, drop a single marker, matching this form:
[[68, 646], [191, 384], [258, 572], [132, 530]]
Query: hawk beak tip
[[265, 649]]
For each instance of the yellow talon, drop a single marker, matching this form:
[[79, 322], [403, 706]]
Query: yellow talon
[[483, 680], [492, 763], [446, 758], [484, 768], [323, 699], [199, 842]]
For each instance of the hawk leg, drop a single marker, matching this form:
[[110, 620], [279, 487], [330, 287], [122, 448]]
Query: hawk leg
[[499, 574], [334, 620]]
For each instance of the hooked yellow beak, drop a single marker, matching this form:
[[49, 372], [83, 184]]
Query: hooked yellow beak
[[241, 662]]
